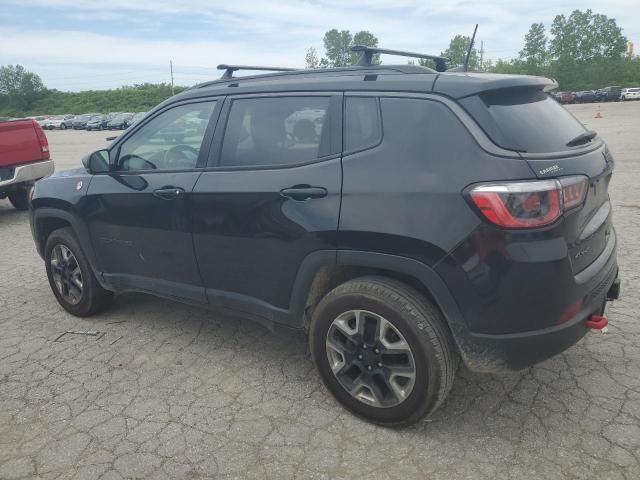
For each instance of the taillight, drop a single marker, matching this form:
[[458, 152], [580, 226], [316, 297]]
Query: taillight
[[42, 138], [574, 189], [529, 204]]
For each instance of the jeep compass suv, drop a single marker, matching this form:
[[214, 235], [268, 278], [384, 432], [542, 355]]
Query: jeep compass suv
[[404, 218]]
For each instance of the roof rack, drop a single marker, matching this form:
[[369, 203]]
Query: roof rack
[[229, 69], [367, 53]]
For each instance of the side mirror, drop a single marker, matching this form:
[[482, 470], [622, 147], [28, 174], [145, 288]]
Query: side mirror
[[96, 162]]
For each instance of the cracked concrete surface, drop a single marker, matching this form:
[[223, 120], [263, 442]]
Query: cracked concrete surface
[[187, 394]]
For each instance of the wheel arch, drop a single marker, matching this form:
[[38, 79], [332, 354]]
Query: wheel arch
[[323, 271], [46, 220]]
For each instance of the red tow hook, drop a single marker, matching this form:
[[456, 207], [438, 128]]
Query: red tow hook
[[597, 322]]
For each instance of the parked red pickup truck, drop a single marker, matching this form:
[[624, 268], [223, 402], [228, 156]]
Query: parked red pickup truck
[[24, 158]]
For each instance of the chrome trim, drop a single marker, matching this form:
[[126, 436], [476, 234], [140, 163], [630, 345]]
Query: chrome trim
[[29, 172]]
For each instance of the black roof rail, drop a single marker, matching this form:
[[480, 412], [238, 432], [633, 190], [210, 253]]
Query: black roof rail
[[367, 53], [229, 69]]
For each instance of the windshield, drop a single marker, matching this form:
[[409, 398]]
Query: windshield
[[526, 120]]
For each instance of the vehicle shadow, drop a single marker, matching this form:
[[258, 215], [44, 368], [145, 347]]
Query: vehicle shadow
[[479, 404], [9, 215]]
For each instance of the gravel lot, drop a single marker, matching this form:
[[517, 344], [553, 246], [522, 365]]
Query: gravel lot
[[185, 394]]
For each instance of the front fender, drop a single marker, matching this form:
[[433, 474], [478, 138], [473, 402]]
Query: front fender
[[41, 217]]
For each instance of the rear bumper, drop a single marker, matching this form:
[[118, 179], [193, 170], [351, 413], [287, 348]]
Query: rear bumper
[[495, 353], [28, 172], [514, 351]]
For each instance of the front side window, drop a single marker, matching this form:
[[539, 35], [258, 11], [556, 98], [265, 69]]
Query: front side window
[[274, 131], [170, 141]]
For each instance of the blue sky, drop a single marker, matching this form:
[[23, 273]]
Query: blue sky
[[78, 45]]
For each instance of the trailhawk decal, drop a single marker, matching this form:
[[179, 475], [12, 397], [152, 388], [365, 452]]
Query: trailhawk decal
[[551, 169]]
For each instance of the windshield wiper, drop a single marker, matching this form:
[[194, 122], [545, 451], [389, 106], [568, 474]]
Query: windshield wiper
[[582, 138]]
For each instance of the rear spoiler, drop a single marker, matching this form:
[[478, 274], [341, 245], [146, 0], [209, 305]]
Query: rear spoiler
[[462, 84]]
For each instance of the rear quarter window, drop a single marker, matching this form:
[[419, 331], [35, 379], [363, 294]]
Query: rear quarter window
[[525, 120]]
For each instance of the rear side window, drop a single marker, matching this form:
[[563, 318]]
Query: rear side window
[[526, 120], [275, 131], [361, 123]]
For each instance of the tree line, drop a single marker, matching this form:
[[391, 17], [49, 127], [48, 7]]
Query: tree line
[[582, 51], [23, 93]]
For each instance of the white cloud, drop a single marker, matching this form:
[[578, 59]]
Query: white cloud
[[251, 31]]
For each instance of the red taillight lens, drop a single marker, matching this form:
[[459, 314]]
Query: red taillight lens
[[42, 138], [528, 204]]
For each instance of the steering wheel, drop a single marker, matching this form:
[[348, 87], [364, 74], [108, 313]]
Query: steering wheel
[[176, 157], [130, 162]]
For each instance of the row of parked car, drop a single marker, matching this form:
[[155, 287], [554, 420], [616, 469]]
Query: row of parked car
[[90, 121], [607, 94]]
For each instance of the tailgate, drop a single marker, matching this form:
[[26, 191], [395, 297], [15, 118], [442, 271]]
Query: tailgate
[[587, 228], [19, 143], [555, 144]]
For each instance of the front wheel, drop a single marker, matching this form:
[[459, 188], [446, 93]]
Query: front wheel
[[70, 276], [383, 350]]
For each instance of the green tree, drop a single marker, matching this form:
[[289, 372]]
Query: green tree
[[457, 53], [337, 46], [313, 61], [19, 88], [534, 52], [586, 49]]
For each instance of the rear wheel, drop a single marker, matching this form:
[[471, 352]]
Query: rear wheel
[[70, 276], [20, 198], [383, 350], [63, 127]]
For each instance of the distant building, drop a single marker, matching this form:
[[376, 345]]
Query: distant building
[[630, 48]]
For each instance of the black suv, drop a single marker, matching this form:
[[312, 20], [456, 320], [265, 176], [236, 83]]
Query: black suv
[[402, 217]]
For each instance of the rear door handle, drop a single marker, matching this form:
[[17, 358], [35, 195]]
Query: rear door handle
[[169, 193], [301, 193]]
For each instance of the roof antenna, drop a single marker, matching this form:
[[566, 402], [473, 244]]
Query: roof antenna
[[473, 39]]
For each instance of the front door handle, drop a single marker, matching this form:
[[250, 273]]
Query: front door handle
[[169, 193], [301, 193]]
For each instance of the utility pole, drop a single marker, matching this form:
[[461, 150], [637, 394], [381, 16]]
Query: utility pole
[[481, 55], [171, 67]]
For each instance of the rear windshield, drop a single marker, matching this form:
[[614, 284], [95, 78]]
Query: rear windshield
[[526, 120]]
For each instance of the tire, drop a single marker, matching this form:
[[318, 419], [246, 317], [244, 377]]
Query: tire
[[90, 298], [20, 198], [408, 318], [63, 127]]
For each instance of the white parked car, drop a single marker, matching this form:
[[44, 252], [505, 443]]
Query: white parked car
[[61, 122], [630, 94]]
